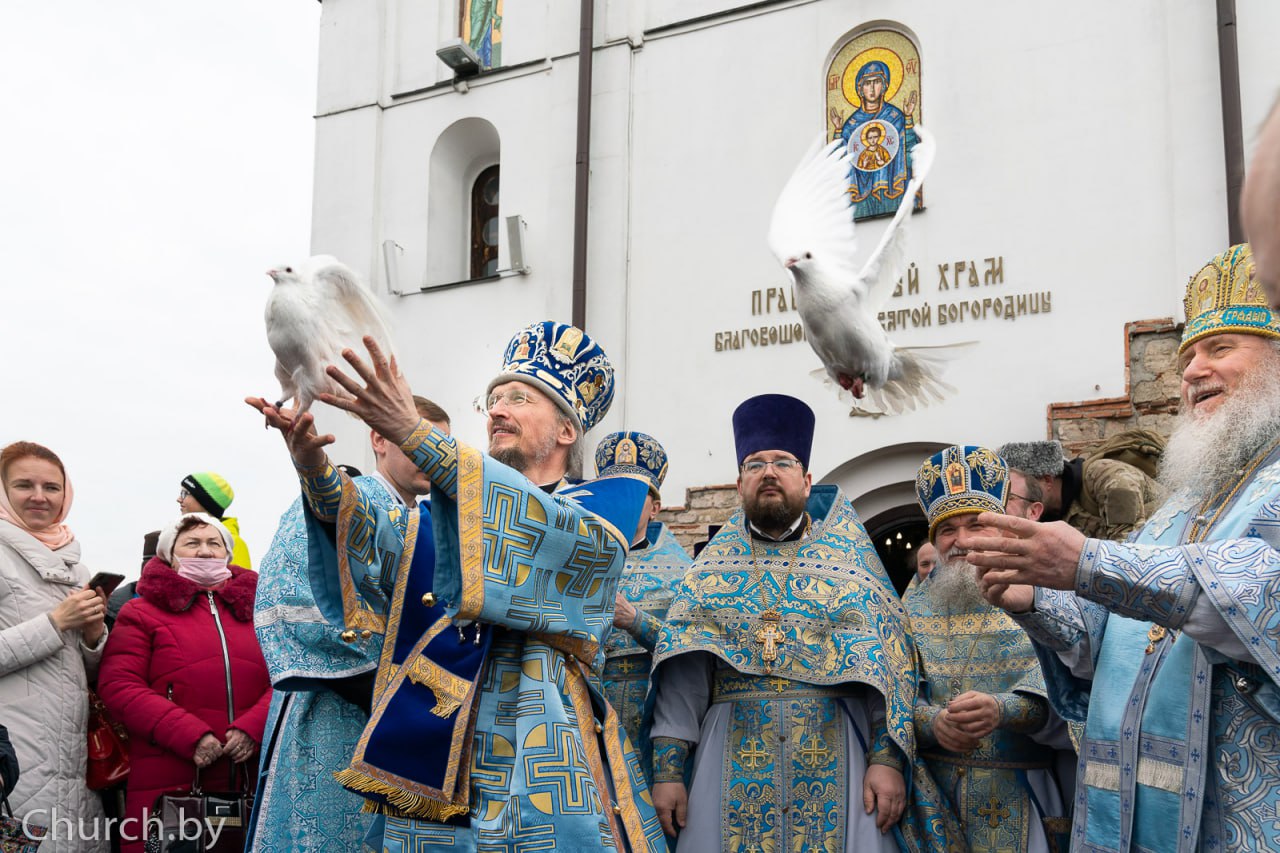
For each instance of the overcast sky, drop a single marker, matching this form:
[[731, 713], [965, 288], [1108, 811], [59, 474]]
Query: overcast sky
[[155, 161]]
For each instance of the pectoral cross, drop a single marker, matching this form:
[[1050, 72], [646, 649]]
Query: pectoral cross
[[770, 634]]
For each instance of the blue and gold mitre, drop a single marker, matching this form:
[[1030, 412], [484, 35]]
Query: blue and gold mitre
[[564, 362], [1225, 297], [959, 480], [632, 453]]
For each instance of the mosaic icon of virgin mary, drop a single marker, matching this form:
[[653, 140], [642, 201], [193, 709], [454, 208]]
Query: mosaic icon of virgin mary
[[878, 135]]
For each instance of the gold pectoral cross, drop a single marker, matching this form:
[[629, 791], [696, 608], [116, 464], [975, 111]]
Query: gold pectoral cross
[[770, 634]]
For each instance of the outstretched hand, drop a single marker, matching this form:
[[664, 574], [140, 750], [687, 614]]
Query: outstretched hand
[[305, 445], [385, 402], [1025, 552]]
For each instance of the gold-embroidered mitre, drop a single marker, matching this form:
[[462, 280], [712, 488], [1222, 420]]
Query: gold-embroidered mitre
[[1226, 297]]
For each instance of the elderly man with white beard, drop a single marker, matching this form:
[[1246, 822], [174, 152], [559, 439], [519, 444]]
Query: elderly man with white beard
[[982, 716], [1169, 646]]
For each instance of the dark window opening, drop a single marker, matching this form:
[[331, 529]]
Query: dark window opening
[[484, 224]]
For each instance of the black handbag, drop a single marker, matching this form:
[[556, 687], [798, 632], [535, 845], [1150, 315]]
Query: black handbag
[[201, 821]]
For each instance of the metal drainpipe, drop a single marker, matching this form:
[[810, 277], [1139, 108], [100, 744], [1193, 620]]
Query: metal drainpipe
[[582, 175], [1232, 123]]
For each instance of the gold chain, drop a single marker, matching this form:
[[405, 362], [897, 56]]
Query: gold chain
[[1242, 477], [759, 571]]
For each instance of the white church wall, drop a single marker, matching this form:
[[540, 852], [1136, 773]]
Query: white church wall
[[1081, 144]]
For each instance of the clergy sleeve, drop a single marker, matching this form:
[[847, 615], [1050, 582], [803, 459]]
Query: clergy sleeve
[[670, 755], [1023, 713], [925, 715], [682, 695], [883, 750], [880, 747], [322, 490], [1144, 582], [1206, 626], [645, 629], [435, 454], [1066, 625]]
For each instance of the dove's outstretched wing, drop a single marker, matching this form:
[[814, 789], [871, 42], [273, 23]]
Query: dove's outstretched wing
[[882, 270], [347, 298], [813, 211]]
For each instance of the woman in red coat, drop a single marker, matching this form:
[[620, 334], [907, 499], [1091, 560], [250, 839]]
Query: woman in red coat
[[183, 671]]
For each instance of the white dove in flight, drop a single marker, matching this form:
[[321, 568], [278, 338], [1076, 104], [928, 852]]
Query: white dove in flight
[[317, 309], [812, 235]]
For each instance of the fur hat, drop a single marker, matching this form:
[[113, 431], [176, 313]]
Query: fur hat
[[1034, 458]]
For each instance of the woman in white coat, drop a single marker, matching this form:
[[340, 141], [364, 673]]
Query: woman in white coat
[[51, 639]]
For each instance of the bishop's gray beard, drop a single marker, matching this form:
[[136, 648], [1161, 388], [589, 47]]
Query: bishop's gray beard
[[952, 586], [1205, 452], [521, 461]]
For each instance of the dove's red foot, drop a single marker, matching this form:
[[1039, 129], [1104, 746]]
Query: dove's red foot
[[855, 386]]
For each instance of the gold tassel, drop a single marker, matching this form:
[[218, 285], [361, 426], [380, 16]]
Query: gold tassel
[[398, 803]]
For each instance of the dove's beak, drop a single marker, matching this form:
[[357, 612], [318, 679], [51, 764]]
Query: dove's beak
[[790, 262], [274, 275]]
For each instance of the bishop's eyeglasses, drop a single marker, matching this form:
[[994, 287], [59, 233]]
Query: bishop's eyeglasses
[[512, 399]]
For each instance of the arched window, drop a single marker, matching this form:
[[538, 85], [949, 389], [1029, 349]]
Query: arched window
[[459, 208], [484, 224]]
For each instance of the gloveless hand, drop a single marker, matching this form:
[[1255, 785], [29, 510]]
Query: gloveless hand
[[385, 402]]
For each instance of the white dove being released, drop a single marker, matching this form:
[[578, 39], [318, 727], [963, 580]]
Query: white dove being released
[[317, 309], [812, 234]]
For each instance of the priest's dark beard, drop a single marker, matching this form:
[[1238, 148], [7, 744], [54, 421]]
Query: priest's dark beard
[[952, 586], [775, 515], [1205, 451]]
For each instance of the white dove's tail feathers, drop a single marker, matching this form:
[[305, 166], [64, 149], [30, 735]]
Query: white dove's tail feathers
[[916, 377]]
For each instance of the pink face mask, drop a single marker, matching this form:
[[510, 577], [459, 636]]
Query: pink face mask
[[203, 571]]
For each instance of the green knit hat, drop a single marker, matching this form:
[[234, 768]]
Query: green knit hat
[[210, 490]]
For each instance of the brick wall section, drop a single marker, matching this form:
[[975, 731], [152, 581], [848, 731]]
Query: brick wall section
[[1150, 400], [703, 506], [1151, 392]]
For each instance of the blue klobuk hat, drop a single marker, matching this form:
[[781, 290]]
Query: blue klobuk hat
[[632, 453], [565, 363], [959, 480], [773, 422]]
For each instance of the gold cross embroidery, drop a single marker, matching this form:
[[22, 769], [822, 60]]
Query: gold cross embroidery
[[996, 813], [770, 635], [815, 753], [753, 756], [627, 665]]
